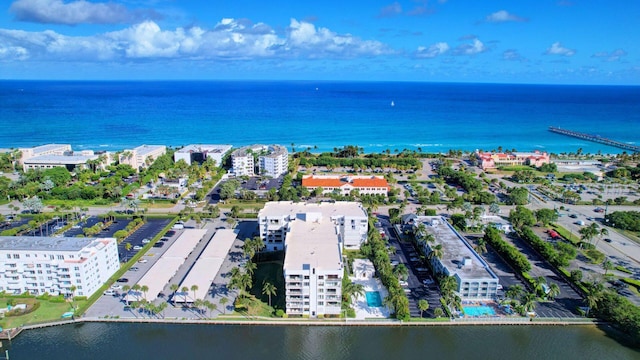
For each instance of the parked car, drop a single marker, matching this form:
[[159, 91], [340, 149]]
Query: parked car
[[143, 261], [110, 292], [134, 268], [116, 287], [158, 245], [146, 241], [607, 240], [123, 280], [137, 247]]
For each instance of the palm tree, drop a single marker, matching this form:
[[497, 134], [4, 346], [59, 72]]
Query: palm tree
[[401, 271], [607, 265], [174, 288], [423, 305], [210, 306], [529, 301], [352, 291], [223, 303], [437, 251], [438, 312], [194, 288], [185, 292], [589, 232], [251, 267], [136, 288], [268, 289], [514, 292], [144, 289], [554, 290], [540, 285], [161, 307], [481, 246]]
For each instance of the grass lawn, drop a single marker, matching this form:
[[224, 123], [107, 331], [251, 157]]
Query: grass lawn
[[571, 237], [48, 311], [270, 272]]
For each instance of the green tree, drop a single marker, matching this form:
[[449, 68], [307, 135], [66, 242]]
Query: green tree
[[223, 303], [521, 216], [268, 289], [194, 288], [423, 305], [546, 216], [174, 288], [607, 265], [352, 291], [401, 272]]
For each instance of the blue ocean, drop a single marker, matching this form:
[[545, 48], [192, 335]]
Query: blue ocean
[[377, 116]]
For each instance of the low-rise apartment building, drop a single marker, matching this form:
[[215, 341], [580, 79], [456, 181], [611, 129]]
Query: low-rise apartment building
[[365, 185], [475, 280], [200, 153], [61, 155], [142, 156], [51, 265]]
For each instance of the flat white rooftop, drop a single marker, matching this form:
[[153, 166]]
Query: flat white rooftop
[[327, 209], [168, 264], [205, 148], [313, 243], [49, 147], [207, 266], [60, 159], [455, 249], [45, 243], [143, 150]]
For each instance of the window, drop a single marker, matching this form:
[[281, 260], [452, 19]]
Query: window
[[8, 256], [76, 268], [16, 256], [38, 265], [60, 257]]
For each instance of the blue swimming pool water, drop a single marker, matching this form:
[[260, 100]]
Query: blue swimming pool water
[[478, 310], [373, 299]]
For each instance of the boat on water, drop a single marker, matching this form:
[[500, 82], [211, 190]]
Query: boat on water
[[393, 103]]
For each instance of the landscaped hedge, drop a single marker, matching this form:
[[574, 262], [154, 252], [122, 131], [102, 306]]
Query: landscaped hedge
[[508, 251], [547, 250]]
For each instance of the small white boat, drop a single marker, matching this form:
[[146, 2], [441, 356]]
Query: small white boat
[[392, 103]]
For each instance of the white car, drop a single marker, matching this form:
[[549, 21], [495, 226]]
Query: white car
[[137, 247], [146, 241], [116, 287], [143, 261]]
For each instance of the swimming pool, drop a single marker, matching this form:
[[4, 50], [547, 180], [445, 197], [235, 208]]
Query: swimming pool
[[373, 299], [475, 311]]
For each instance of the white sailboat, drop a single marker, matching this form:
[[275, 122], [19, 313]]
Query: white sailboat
[[393, 103]]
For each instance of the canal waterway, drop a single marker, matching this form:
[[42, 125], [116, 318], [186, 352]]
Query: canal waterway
[[170, 341]]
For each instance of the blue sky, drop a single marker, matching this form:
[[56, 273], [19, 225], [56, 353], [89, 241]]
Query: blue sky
[[523, 41]]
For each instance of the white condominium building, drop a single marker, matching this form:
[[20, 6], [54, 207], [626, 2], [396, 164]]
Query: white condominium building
[[475, 280], [53, 265], [200, 153], [142, 156], [60, 155], [313, 237], [273, 160]]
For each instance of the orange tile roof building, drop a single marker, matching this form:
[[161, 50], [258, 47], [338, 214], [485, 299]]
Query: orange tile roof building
[[370, 185], [494, 160]]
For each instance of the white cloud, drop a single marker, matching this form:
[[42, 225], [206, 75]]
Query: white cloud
[[391, 10], [613, 56], [557, 49], [512, 55], [229, 39], [503, 16], [476, 47], [432, 51], [76, 12]]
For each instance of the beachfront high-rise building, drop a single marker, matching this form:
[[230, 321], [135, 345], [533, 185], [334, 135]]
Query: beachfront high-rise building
[[475, 280], [53, 265], [369, 185], [142, 156], [273, 160], [200, 153], [313, 237]]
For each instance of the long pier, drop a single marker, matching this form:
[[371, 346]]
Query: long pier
[[595, 138]]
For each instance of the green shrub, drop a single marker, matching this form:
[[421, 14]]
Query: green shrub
[[280, 313]]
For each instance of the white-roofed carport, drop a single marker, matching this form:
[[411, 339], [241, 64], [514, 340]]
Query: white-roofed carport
[[207, 266], [167, 266]]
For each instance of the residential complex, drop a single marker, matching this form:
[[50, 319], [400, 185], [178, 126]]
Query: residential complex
[[61, 155], [53, 265], [313, 237], [369, 185], [142, 156], [200, 153], [476, 281], [273, 160], [494, 160]]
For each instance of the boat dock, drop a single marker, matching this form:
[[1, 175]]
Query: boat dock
[[595, 138]]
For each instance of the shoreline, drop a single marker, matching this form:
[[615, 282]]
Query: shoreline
[[11, 334]]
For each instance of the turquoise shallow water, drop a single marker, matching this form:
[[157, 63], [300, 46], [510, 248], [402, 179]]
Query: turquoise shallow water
[[435, 117]]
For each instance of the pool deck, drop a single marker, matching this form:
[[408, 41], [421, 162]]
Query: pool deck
[[362, 309]]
